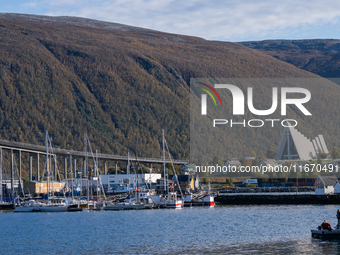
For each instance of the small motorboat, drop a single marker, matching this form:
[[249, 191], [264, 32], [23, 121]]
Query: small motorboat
[[325, 231]]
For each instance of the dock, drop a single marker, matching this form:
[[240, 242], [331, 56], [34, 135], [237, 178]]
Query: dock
[[266, 199]]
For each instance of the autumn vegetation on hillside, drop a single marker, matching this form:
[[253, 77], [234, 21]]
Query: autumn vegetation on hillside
[[121, 86]]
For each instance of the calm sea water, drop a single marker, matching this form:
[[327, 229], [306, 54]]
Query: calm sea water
[[283, 229]]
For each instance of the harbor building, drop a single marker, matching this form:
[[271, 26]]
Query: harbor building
[[113, 180], [233, 163], [34, 187], [337, 187], [268, 162], [325, 185], [6, 184], [187, 179], [295, 146], [186, 182], [189, 169]]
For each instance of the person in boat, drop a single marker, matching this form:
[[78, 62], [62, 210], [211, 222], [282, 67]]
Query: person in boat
[[338, 217], [325, 225]]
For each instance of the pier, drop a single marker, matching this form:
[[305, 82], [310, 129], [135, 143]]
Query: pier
[[266, 199]]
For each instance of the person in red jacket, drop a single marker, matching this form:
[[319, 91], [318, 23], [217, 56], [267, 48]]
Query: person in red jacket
[[325, 225]]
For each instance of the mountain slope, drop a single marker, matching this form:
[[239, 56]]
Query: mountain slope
[[319, 56], [120, 84]]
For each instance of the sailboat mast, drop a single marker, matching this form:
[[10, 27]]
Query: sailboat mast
[[164, 161], [1, 174], [12, 176], [54, 172], [71, 177], [137, 165], [47, 165], [87, 173], [96, 169], [128, 170], [137, 183]]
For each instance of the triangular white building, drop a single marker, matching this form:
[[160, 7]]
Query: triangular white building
[[295, 146]]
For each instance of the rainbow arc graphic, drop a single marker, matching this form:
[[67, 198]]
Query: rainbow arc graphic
[[209, 93]]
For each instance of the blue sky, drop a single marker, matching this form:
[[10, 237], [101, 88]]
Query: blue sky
[[229, 20]]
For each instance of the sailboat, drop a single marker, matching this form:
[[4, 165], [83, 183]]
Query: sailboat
[[49, 204], [10, 204], [93, 203], [75, 204], [128, 203], [170, 198]]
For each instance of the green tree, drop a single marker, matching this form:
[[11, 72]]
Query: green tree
[[271, 154], [247, 162], [335, 153], [217, 161], [201, 162], [322, 155], [229, 182]]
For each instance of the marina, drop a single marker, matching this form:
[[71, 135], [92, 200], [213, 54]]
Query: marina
[[174, 127], [87, 192]]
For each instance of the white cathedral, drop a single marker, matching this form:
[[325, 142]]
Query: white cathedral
[[295, 146]]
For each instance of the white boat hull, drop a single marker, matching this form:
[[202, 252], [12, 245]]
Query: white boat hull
[[163, 202], [33, 206], [175, 205], [124, 206], [41, 209], [209, 201], [54, 208], [28, 209]]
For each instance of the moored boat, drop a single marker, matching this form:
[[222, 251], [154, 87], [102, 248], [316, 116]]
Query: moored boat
[[30, 206], [145, 197], [124, 206], [325, 231], [6, 206], [209, 201], [169, 201], [51, 205], [326, 234], [47, 204], [55, 205], [205, 200]]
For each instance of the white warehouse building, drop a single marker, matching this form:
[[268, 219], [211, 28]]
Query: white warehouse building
[[110, 179]]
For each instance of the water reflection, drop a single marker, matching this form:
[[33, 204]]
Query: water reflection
[[300, 246], [221, 230], [326, 246]]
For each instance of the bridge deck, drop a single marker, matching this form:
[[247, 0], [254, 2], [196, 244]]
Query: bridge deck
[[32, 148]]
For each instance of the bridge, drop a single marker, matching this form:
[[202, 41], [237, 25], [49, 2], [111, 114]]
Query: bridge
[[32, 149]]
